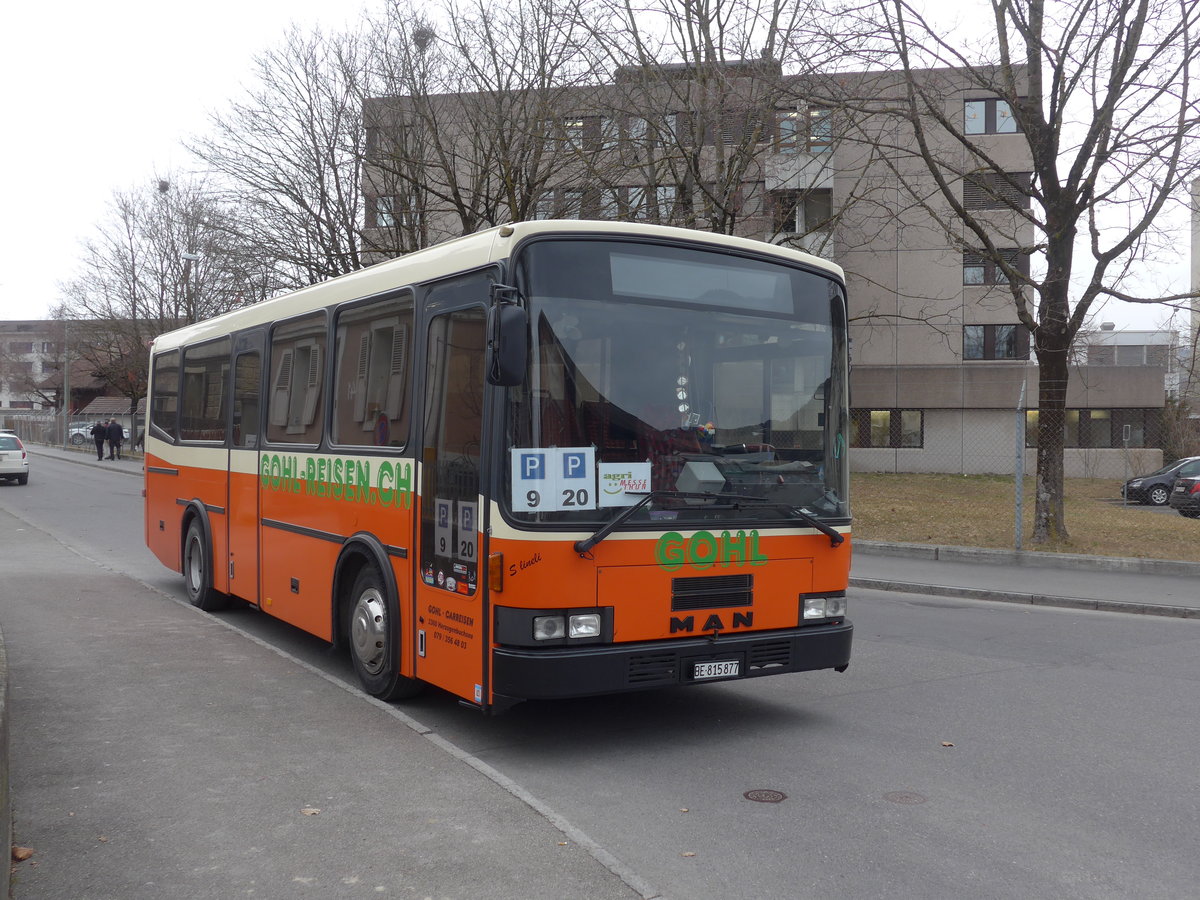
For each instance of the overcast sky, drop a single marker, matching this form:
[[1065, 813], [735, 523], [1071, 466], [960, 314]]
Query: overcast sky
[[97, 97]]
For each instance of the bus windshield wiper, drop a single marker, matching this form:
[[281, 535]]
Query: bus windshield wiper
[[605, 530], [835, 536]]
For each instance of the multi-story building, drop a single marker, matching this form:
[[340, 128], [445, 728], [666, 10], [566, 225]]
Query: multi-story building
[[28, 350], [942, 373]]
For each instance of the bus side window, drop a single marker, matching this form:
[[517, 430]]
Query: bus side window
[[295, 403], [371, 395], [203, 396], [245, 399], [164, 399]]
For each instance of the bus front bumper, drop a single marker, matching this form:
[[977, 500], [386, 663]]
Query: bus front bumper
[[561, 672]]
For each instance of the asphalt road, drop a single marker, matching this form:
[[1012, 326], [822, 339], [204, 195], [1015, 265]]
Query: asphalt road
[[971, 750]]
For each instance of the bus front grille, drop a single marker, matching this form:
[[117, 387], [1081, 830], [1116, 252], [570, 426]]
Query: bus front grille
[[711, 592], [653, 668], [770, 655]]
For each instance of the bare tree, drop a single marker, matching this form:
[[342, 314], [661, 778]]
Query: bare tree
[[1102, 94], [464, 129], [703, 88], [288, 154], [163, 257]]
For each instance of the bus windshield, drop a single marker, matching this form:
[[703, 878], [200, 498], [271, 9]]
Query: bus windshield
[[714, 380]]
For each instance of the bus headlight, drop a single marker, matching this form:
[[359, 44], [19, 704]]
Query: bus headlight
[[584, 626], [548, 628], [824, 607]]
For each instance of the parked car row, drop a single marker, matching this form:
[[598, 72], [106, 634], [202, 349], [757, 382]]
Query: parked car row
[[1177, 484]]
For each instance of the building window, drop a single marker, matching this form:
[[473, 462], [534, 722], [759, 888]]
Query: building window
[[20, 346], [572, 204], [610, 203], [989, 116], [801, 212], [572, 129], [381, 212], [1099, 428], [979, 269], [995, 190], [891, 428], [995, 342], [808, 130]]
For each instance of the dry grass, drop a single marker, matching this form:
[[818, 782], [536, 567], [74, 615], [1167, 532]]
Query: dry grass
[[977, 511]]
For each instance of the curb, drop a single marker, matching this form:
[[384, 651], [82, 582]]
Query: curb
[[1031, 558], [5, 803], [937, 590]]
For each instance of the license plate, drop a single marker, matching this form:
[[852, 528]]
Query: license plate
[[1179, 488], [723, 669]]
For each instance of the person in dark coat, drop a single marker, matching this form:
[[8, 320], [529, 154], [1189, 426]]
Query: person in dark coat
[[116, 434], [99, 434]]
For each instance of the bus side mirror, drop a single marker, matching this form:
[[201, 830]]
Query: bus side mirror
[[508, 344]]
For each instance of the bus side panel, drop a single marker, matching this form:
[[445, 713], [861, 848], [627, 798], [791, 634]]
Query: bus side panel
[[299, 547], [451, 616], [310, 505], [243, 524], [163, 535], [199, 476]]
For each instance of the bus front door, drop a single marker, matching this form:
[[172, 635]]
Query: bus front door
[[450, 613], [243, 469]]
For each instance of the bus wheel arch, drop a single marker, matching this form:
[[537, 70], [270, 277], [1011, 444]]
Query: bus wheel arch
[[197, 562], [367, 620]]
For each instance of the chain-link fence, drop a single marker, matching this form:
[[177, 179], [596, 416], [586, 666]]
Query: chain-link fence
[[950, 476]]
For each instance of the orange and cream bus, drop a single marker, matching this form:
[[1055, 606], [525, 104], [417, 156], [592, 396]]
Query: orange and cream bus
[[549, 460]]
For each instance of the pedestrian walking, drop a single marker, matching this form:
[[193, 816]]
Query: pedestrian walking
[[99, 434], [116, 434]]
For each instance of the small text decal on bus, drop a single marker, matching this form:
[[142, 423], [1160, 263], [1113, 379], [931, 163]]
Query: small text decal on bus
[[703, 550], [388, 483]]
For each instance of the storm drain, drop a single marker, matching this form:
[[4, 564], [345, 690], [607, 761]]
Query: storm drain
[[765, 795]]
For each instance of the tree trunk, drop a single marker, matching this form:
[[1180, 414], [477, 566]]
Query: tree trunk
[[1049, 520]]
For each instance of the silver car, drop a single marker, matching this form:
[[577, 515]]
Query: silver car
[[14, 461]]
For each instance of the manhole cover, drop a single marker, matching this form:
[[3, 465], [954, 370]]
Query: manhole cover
[[907, 798], [764, 795]]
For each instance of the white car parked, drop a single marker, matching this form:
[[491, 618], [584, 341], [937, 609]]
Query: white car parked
[[14, 461]]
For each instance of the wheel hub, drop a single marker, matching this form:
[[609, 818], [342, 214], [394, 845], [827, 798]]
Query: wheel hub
[[368, 627]]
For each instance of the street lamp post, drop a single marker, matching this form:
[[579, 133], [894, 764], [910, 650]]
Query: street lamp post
[[190, 261]]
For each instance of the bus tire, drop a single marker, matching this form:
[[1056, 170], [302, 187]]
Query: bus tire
[[198, 571], [374, 630]]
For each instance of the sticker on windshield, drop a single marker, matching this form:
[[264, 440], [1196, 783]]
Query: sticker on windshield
[[622, 484], [553, 478]]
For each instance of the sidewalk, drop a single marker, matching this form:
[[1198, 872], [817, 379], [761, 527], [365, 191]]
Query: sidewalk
[[1152, 587], [130, 462], [157, 752]]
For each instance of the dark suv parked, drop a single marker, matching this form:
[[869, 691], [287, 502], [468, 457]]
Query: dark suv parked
[[1185, 496], [1155, 488]]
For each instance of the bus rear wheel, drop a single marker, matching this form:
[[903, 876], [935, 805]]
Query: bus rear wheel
[[198, 571], [374, 630]]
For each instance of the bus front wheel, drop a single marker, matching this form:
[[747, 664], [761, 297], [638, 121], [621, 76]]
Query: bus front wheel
[[374, 631], [198, 572]]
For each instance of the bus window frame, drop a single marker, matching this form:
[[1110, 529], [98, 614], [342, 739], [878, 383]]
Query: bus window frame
[[269, 378], [227, 388], [153, 426], [412, 380]]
